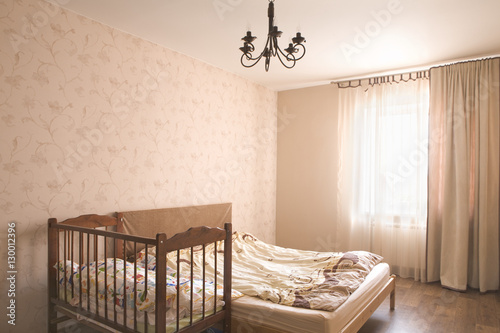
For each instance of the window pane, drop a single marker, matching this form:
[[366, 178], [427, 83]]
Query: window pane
[[393, 166]]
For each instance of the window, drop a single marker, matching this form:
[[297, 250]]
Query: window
[[393, 160]]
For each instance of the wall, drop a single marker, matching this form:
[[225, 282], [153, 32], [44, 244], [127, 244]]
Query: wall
[[307, 168], [94, 120]]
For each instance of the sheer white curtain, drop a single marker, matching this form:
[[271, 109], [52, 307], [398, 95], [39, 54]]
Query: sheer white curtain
[[382, 180]]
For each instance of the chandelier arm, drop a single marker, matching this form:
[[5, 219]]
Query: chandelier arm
[[250, 65], [272, 44], [274, 50], [283, 63], [291, 56], [251, 47], [250, 58], [303, 51], [287, 55]]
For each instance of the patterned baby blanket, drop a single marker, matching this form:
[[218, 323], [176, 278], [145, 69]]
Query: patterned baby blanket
[[307, 279], [101, 274]]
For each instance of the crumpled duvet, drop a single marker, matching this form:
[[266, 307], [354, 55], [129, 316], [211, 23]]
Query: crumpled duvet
[[307, 279]]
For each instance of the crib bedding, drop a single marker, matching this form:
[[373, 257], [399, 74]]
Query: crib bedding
[[294, 319], [125, 298], [171, 325], [297, 278]]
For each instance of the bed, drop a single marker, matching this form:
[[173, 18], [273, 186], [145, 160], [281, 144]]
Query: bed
[[252, 314], [92, 277]]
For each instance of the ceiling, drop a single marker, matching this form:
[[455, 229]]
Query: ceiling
[[344, 39]]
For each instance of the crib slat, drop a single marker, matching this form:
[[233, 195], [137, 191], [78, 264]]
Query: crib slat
[[146, 287], [161, 287], [105, 279], [124, 287], [203, 279], [53, 276], [88, 272], [114, 287], [71, 246], [80, 262], [192, 286], [65, 269], [135, 288], [228, 245], [215, 277], [177, 298], [96, 248]]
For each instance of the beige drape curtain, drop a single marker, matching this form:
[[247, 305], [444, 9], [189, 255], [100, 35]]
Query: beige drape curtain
[[463, 227]]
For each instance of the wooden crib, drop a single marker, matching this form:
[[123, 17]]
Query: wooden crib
[[77, 245]]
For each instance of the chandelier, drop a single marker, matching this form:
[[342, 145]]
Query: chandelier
[[293, 53]]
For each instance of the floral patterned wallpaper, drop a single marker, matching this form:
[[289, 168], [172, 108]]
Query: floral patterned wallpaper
[[93, 120]]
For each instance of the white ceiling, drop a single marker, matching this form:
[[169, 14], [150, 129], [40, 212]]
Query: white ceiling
[[347, 38]]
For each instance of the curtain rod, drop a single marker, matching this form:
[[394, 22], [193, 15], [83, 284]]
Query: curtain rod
[[408, 71], [378, 76], [392, 78]]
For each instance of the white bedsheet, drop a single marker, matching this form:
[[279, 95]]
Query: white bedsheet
[[295, 319]]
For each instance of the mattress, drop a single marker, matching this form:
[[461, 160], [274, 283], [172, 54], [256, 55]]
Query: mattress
[[293, 319]]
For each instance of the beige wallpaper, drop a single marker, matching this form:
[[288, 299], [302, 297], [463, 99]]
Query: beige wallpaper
[[307, 169], [94, 120]]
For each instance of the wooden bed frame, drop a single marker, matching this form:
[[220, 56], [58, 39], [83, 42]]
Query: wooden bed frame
[[82, 240], [354, 325], [360, 319]]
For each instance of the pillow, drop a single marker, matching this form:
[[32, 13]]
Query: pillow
[[151, 261]]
